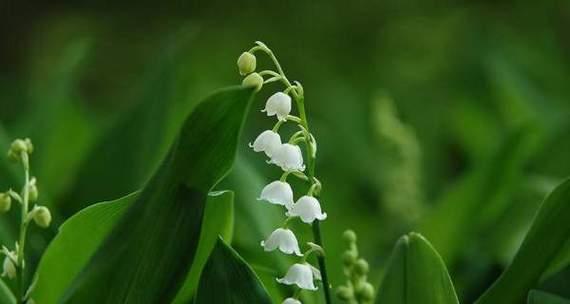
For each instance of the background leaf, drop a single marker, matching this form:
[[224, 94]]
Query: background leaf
[[127, 263], [218, 221], [70, 250], [229, 279], [546, 237], [416, 274], [539, 297], [6, 295]]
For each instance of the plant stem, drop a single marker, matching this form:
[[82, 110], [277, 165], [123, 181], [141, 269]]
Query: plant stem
[[300, 101], [23, 229]]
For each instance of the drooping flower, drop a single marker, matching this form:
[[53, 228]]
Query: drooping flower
[[284, 239], [278, 104], [268, 142], [308, 209], [9, 269], [302, 275], [279, 193], [291, 301], [289, 157]]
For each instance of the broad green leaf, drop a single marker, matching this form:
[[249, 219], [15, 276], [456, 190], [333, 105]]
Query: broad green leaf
[[416, 274], [218, 220], [547, 235], [148, 254], [228, 279], [540, 297], [70, 250], [6, 295], [477, 201]]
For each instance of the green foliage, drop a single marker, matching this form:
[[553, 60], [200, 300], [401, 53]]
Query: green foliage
[[539, 247], [218, 221], [416, 274], [6, 296], [229, 279], [540, 297], [79, 237], [173, 201]]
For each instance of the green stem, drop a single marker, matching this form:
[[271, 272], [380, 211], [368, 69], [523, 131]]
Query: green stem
[[23, 229], [300, 100]]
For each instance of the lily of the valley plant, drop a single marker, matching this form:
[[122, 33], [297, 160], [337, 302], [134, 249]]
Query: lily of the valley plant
[[14, 260], [288, 155]]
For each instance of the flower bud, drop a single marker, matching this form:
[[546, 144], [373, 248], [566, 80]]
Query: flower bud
[[361, 267], [246, 63], [365, 291], [253, 80], [349, 236], [349, 258], [5, 202], [344, 293], [9, 269], [42, 216], [33, 190]]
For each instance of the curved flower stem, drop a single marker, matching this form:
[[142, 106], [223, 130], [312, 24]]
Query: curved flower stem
[[299, 98], [23, 228]]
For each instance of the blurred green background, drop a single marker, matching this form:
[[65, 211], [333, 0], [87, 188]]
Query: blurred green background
[[447, 118]]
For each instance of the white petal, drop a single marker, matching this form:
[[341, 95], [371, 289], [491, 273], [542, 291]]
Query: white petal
[[316, 273], [291, 301], [279, 193], [268, 141], [278, 104], [300, 275], [289, 157], [284, 239], [308, 209]]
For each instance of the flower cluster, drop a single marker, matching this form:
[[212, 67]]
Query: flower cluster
[[13, 265], [357, 289], [288, 156]]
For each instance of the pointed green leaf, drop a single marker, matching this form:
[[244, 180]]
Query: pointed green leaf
[[228, 279], [218, 220], [416, 274], [546, 237], [149, 252], [78, 238], [540, 297]]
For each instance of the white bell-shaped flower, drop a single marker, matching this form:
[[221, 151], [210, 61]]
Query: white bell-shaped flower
[[289, 157], [302, 275], [284, 239], [279, 193], [268, 141], [291, 301], [278, 104], [9, 269], [308, 209]]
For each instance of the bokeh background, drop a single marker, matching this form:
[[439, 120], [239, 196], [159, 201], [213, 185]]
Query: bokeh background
[[451, 118]]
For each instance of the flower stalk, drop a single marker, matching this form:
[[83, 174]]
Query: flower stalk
[[289, 157]]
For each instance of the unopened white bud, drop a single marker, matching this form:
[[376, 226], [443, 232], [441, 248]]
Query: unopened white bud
[[246, 63], [5, 202], [41, 216], [33, 190], [253, 80]]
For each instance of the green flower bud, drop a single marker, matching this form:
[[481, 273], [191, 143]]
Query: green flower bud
[[9, 269], [349, 258], [246, 63], [349, 236], [365, 291], [344, 293], [29, 145], [5, 202], [33, 190], [253, 80], [18, 146], [361, 267], [42, 216]]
